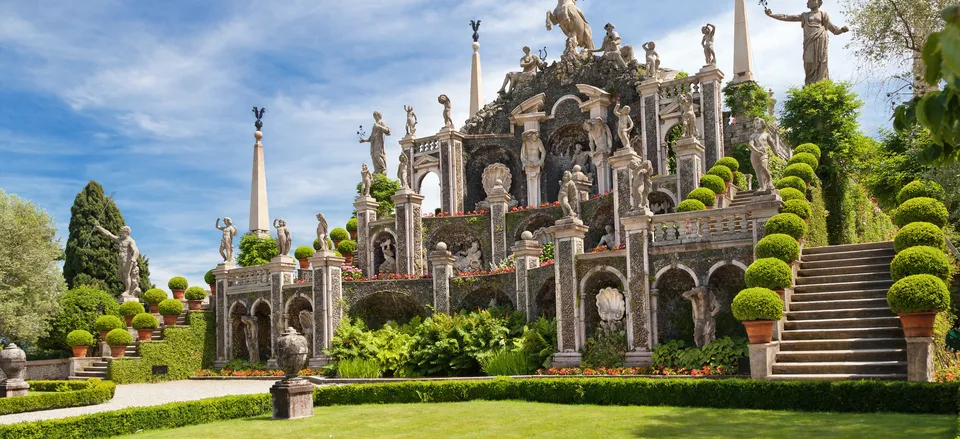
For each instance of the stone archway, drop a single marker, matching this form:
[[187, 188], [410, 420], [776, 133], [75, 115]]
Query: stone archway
[[725, 282], [545, 300], [377, 250], [594, 281], [294, 307], [262, 314], [535, 223], [674, 313], [238, 343], [661, 202], [386, 306]]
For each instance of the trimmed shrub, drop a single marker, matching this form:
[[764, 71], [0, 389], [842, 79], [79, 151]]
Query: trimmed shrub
[[791, 194], [108, 323], [810, 149], [303, 252], [195, 293], [316, 244], [770, 273], [130, 309], [185, 349], [154, 295], [79, 337], [209, 278], [731, 163], [917, 234], [791, 182], [800, 208], [145, 321], [806, 158], [352, 225], [920, 260], [721, 171], [787, 224], [801, 170], [782, 247], [347, 247], [757, 304], [79, 308], [690, 205], [703, 195], [339, 234], [921, 209], [177, 283], [921, 189], [918, 293], [170, 307], [56, 395], [740, 180], [714, 183], [119, 337]]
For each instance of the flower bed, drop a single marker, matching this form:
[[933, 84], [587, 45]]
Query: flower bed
[[398, 276], [486, 272], [595, 196], [457, 214], [603, 248], [626, 371], [547, 262], [251, 373]]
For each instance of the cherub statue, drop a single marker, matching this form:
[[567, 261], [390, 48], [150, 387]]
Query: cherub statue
[[569, 196], [322, 232], [641, 180], [447, 121], [411, 121], [625, 123], [226, 242], [366, 181], [688, 118], [653, 60], [707, 42], [283, 236]]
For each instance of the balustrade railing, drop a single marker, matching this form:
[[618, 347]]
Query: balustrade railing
[[248, 278], [672, 89], [426, 145], [712, 225]]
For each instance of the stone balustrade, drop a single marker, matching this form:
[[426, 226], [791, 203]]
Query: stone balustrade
[[426, 145], [248, 278], [709, 225], [672, 89]]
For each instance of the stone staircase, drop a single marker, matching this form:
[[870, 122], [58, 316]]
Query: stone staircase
[[743, 198], [839, 326], [98, 369]]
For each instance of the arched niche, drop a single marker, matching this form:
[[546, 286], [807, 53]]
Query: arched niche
[[533, 223], [262, 314], [428, 185], [725, 282], [594, 281], [238, 341], [484, 298], [479, 160], [386, 306], [604, 216], [662, 202], [376, 245], [545, 300], [674, 313], [560, 149], [458, 237]]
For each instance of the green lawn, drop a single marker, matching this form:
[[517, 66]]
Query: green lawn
[[513, 419]]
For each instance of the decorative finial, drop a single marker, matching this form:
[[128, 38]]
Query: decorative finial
[[475, 24], [543, 54], [361, 133], [258, 113], [763, 3]]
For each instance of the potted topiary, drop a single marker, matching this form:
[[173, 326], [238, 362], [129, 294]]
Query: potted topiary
[[145, 324], [703, 195], [917, 299], [79, 340], [338, 235], [787, 224], [177, 285], [724, 173], [194, 296], [758, 309], [347, 248], [780, 246], [211, 280], [690, 205], [105, 324], [154, 296], [130, 309], [352, 228], [770, 273], [303, 254], [119, 339], [170, 309], [714, 183]]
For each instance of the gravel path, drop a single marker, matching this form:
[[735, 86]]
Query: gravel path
[[133, 395]]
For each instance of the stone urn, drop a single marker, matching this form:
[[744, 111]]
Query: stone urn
[[292, 396], [13, 362], [293, 351]]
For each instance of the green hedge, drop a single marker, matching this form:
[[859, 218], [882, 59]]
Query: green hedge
[[919, 260], [63, 394], [183, 350], [780, 246], [802, 171]]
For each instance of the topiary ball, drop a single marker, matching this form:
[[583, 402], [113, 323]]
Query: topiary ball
[[79, 337], [920, 260], [918, 293], [303, 252], [119, 337], [194, 293], [919, 234], [723, 172], [209, 278], [782, 247], [921, 189], [690, 205], [714, 183], [347, 247], [731, 163], [145, 321], [154, 295], [809, 148], [339, 234], [108, 323], [352, 225], [769, 273], [792, 182], [170, 307], [787, 224], [789, 193], [703, 195], [757, 304], [801, 170], [177, 283], [805, 158], [130, 309], [921, 209], [800, 208]]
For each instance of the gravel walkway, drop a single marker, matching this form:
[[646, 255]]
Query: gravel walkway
[[133, 395]]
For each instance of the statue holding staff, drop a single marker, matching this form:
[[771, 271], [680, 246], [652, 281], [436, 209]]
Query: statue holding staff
[[816, 24]]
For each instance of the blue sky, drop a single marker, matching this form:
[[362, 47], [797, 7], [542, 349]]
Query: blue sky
[[153, 99]]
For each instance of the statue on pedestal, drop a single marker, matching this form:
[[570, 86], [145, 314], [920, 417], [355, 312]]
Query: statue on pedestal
[[572, 22], [688, 118], [760, 141], [601, 140], [624, 123], [366, 181], [569, 196], [609, 239], [128, 257], [612, 50], [284, 240], [322, 232], [447, 121], [529, 64], [226, 242], [377, 152], [652, 65], [533, 153], [250, 333], [411, 126], [583, 183], [815, 25], [641, 181], [707, 42], [403, 172], [705, 310]]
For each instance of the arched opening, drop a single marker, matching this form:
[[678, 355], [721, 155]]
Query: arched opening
[[545, 300], [560, 152], [673, 134], [239, 343], [430, 189], [386, 306], [725, 283], [661, 203], [484, 298], [261, 314], [380, 262], [592, 285], [478, 161], [300, 317], [601, 219], [466, 244], [674, 313], [537, 225]]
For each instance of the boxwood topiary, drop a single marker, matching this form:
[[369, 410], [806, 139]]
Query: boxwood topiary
[[714, 183], [170, 307], [919, 233], [177, 283], [805, 158], [731, 163], [757, 304], [769, 273], [920, 209], [789, 193], [800, 208], [918, 293], [801, 170], [303, 252], [339, 234], [690, 205], [703, 195], [347, 247], [921, 189], [920, 260], [130, 309], [809, 148], [782, 247], [787, 224], [740, 180], [154, 295], [79, 337], [145, 321], [209, 278], [352, 225], [119, 337], [792, 182], [721, 171], [108, 323], [194, 293]]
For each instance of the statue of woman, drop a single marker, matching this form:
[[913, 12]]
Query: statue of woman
[[377, 152], [759, 143], [688, 118], [815, 25], [366, 181], [403, 173]]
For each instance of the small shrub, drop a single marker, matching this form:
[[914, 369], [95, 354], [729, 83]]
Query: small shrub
[[721, 171], [770, 273], [921, 209], [358, 368], [352, 225], [740, 180], [782, 247], [119, 337], [919, 234], [130, 309], [177, 283], [339, 234], [801, 170], [55, 395], [690, 205], [145, 321], [154, 295], [921, 189], [805, 158], [791, 194], [303, 252], [920, 260], [703, 195], [170, 307], [316, 244], [79, 337], [787, 224], [918, 293], [714, 183], [209, 278], [800, 208], [757, 304], [792, 182], [731, 163], [808, 148], [108, 323], [504, 363], [347, 247], [194, 293]]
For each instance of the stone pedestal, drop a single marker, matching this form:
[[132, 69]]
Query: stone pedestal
[[452, 180], [292, 399], [409, 230], [526, 256], [622, 198], [218, 303], [366, 213], [920, 359], [442, 261], [498, 200], [533, 185], [10, 388], [649, 91], [711, 112], [281, 273], [689, 164], [762, 356], [568, 236], [604, 180], [327, 311], [13, 362], [639, 319]]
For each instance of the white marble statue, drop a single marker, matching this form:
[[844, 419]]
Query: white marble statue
[[470, 259], [611, 307], [226, 242], [572, 22], [569, 196], [250, 333], [377, 152], [609, 239], [601, 139], [403, 172], [816, 24], [652, 64], [284, 241], [128, 257], [760, 142], [411, 126], [688, 118], [306, 326], [709, 55], [389, 264], [583, 182], [624, 124], [581, 158], [529, 64], [641, 181], [705, 310], [366, 181], [322, 232], [532, 153], [612, 49], [447, 121]]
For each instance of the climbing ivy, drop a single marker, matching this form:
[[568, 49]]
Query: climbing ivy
[[748, 99]]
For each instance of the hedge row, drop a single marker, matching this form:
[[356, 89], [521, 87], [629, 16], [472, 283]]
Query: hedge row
[[65, 394], [183, 350]]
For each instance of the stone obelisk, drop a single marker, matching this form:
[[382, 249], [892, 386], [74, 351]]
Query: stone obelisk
[[259, 215], [476, 78], [742, 52]]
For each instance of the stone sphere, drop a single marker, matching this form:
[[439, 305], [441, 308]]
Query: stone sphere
[[526, 235], [292, 352], [476, 46], [441, 246], [258, 135]]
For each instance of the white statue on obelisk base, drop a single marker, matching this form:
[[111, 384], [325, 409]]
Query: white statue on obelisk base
[[128, 257], [377, 152], [652, 65], [226, 242]]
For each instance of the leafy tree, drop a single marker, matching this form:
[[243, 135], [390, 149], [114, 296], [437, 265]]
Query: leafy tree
[[79, 308], [30, 278], [896, 164], [256, 251], [382, 189]]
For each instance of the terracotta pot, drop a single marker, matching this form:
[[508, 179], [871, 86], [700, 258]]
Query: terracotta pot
[[348, 259], [145, 334], [213, 289], [304, 264], [169, 320], [178, 294], [918, 324], [194, 305], [80, 351], [353, 235], [782, 293], [153, 308], [759, 331], [336, 244], [117, 351], [103, 335], [129, 320]]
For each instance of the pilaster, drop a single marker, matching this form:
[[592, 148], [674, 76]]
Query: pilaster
[[442, 261], [623, 196], [689, 164], [498, 201], [327, 307], [640, 320], [526, 256], [409, 230], [567, 243], [649, 91], [711, 111], [528, 116], [281, 273], [366, 208], [218, 303], [452, 183]]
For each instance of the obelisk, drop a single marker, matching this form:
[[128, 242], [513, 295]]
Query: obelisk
[[476, 78], [742, 52], [259, 215]]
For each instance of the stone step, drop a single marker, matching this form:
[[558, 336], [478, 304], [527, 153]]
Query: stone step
[[841, 367], [844, 286], [100, 364], [841, 377], [833, 305], [880, 252], [847, 270], [847, 248], [855, 355], [851, 262], [842, 333], [872, 294], [95, 369], [876, 276], [842, 344], [869, 322], [90, 374], [840, 313]]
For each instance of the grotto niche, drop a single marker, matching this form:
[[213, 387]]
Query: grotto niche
[[560, 150], [674, 313], [478, 161], [386, 306]]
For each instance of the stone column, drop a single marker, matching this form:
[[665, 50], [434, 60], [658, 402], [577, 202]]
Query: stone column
[[528, 115], [442, 261], [366, 213], [711, 111], [533, 185], [409, 230], [622, 197], [526, 255], [649, 91], [567, 244], [498, 200], [452, 183], [689, 164], [598, 105], [327, 307], [281, 273], [920, 353], [218, 303], [639, 317]]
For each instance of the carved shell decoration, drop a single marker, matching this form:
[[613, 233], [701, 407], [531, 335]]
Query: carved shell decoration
[[610, 305], [494, 172]]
